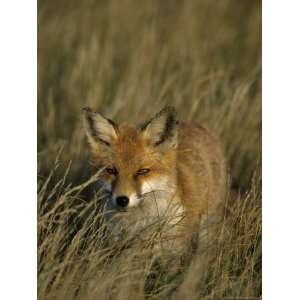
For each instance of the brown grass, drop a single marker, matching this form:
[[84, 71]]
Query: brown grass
[[128, 59]]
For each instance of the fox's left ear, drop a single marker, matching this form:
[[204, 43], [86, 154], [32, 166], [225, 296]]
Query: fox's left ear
[[162, 128]]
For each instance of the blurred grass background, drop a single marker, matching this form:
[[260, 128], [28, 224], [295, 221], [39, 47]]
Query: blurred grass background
[[127, 59]]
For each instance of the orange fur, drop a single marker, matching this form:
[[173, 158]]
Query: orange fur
[[184, 161]]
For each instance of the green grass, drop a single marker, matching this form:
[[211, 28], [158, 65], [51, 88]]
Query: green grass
[[128, 59]]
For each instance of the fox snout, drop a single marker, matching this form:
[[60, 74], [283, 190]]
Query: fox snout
[[122, 201]]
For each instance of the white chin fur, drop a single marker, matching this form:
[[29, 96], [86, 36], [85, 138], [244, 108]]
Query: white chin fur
[[133, 200]]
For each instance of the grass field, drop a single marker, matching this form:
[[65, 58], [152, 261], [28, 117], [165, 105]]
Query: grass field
[[128, 59]]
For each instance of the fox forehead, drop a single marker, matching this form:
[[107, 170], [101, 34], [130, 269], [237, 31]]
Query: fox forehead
[[130, 144], [128, 151]]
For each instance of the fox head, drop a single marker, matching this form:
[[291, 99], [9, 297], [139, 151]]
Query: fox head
[[137, 161]]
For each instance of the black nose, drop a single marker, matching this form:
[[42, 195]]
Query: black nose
[[122, 201]]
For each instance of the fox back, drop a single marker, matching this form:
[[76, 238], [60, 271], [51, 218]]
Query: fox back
[[163, 169]]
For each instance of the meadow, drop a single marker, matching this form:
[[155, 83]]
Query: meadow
[[128, 59]]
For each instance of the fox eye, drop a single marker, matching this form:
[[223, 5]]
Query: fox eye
[[111, 171], [142, 171]]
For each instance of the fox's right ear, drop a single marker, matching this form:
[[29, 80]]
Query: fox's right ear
[[99, 129]]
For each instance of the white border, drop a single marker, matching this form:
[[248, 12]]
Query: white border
[[281, 149], [18, 78]]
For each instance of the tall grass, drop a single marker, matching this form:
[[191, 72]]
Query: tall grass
[[128, 59]]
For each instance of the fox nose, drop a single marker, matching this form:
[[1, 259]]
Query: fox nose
[[122, 201]]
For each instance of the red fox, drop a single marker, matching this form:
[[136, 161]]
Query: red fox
[[163, 168]]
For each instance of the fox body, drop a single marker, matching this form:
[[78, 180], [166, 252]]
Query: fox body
[[162, 169]]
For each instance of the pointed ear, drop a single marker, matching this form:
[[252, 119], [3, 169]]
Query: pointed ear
[[99, 130], [162, 128]]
